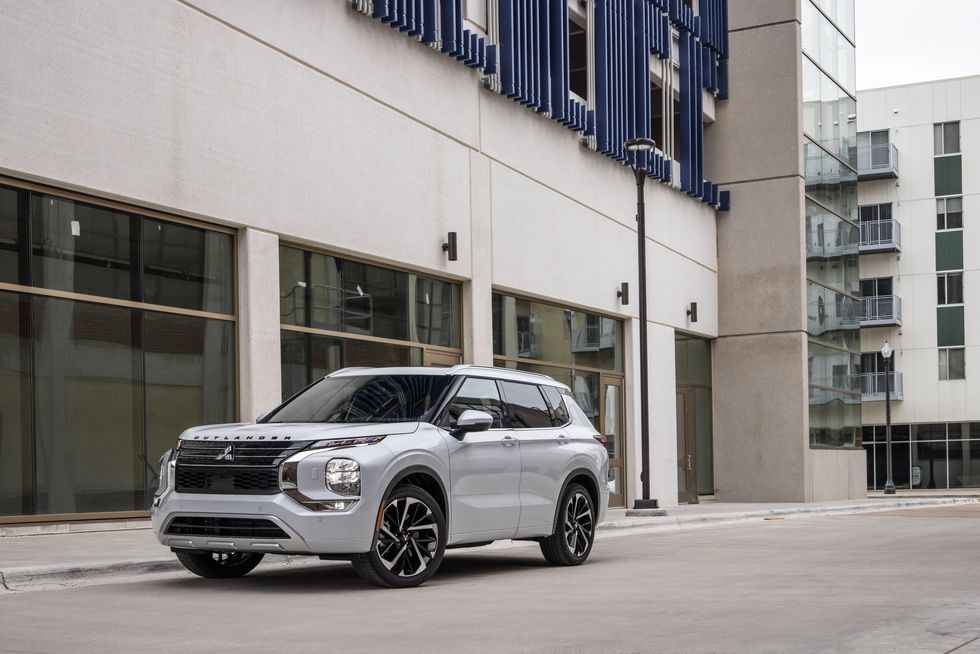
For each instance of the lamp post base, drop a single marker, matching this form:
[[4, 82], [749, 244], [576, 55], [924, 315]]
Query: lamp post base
[[646, 504], [889, 488]]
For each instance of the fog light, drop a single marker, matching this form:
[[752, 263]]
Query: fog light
[[343, 476]]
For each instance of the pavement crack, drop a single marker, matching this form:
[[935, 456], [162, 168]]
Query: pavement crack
[[962, 645], [3, 582]]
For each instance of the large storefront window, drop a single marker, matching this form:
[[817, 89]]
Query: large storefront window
[[933, 455], [93, 392], [695, 441], [583, 351], [336, 313]]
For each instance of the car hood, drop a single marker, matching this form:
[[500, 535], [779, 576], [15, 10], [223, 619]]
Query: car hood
[[295, 431]]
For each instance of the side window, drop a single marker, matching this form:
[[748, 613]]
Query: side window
[[559, 412], [479, 395], [526, 406]]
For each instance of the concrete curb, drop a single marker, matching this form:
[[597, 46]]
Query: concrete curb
[[14, 579], [675, 522]]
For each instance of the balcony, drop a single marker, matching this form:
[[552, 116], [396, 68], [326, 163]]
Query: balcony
[[880, 236], [877, 162], [873, 386], [881, 311]]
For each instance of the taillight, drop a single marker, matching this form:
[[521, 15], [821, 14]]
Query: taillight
[[602, 439]]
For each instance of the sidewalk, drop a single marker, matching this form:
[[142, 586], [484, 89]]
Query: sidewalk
[[63, 559]]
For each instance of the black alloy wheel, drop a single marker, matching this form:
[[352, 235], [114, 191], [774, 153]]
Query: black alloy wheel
[[409, 542], [574, 535]]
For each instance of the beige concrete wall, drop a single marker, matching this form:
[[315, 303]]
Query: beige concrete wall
[[837, 475], [760, 416]]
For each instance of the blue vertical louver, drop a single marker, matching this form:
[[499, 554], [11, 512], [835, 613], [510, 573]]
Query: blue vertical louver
[[531, 63], [533, 60]]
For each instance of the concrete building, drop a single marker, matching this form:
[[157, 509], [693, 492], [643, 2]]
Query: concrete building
[[172, 172], [919, 185]]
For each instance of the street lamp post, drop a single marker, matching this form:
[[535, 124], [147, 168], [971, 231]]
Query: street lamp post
[[886, 354], [636, 147]]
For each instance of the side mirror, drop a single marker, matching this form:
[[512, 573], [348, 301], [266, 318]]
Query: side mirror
[[472, 420]]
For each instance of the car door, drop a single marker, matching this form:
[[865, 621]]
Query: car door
[[485, 468], [546, 453]]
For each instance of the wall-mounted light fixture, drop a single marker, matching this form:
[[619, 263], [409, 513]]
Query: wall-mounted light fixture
[[450, 246], [624, 293], [692, 312]]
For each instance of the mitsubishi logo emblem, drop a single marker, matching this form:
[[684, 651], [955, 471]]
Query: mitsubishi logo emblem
[[228, 454]]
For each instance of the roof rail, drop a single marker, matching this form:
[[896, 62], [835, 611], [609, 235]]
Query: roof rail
[[499, 369], [348, 369]]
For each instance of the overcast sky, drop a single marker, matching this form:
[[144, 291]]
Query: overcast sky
[[905, 41]]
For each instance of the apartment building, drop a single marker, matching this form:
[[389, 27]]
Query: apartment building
[[918, 188]]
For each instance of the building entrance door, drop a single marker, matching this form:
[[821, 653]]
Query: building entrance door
[[687, 487], [611, 411]]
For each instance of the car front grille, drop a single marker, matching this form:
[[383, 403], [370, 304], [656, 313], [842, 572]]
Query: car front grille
[[235, 453], [225, 527], [224, 479]]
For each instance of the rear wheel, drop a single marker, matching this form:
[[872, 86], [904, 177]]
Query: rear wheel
[[219, 565], [572, 541], [409, 543]]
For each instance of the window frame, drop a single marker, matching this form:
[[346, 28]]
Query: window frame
[[442, 412], [942, 288], [945, 213], [944, 366], [939, 139], [507, 401]]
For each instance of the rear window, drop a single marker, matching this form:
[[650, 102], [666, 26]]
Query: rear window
[[559, 412], [526, 406]]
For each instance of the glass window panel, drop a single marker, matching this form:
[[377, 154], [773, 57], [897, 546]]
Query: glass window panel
[[811, 30], [704, 445], [957, 363], [190, 379], [375, 300], [830, 182], [478, 395], [964, 464], [188, 267], [951, 138], [833, 368], [927, 431], [867, 434], [832, 249], [692, 360], [929, 465], [937, 138], [437, 312], [331, 306], [559, 412], [89, 408], [9, 241], [834, 418], [81, 248], [833, 317], [585, 391], [526, 406], [369, 354], [16, 458], [293, 287], [307, 357], [956, 430], [974, 430]]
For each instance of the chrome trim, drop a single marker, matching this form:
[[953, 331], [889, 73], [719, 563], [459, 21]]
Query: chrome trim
[[294, 543]]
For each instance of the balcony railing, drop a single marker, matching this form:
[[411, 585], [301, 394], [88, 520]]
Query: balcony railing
[[873, 386], [881, 311], [877, 161], [881, 236]]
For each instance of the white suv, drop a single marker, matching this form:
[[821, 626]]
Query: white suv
[[387, 467]]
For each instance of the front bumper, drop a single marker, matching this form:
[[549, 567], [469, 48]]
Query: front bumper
[[307, 532]]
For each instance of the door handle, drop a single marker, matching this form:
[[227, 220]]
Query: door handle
[[508, 441], [562, 439], [689, 462]]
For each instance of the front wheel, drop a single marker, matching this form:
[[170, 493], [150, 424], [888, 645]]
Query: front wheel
[[219, 565], [572, 541], [409, 543]]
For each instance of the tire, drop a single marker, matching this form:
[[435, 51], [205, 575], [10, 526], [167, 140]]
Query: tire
[[574, 534], [409, 542], [220, 565]]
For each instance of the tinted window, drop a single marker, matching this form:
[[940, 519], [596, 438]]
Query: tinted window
[[526, 406], [374, 398], [187, 267], [478, 395], [559, 412]]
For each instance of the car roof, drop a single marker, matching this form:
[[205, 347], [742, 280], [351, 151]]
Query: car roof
[[467, 370]]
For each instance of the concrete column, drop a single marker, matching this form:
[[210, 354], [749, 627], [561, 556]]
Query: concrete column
[[477, 309], [259, 375]]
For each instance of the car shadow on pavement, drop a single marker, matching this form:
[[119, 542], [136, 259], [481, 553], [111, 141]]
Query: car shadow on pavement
[[339, 576]]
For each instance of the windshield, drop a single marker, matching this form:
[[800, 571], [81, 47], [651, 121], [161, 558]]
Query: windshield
[[365, 398]]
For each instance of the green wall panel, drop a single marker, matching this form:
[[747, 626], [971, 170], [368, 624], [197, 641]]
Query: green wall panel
[[949, 326], [949, 175], [949, 251]]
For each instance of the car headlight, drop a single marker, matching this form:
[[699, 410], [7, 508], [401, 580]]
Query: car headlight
[[343, 476]]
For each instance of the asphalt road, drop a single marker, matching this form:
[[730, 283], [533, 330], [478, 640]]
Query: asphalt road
[[906, 581]]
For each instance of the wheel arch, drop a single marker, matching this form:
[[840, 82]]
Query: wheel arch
[[587, 479]]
